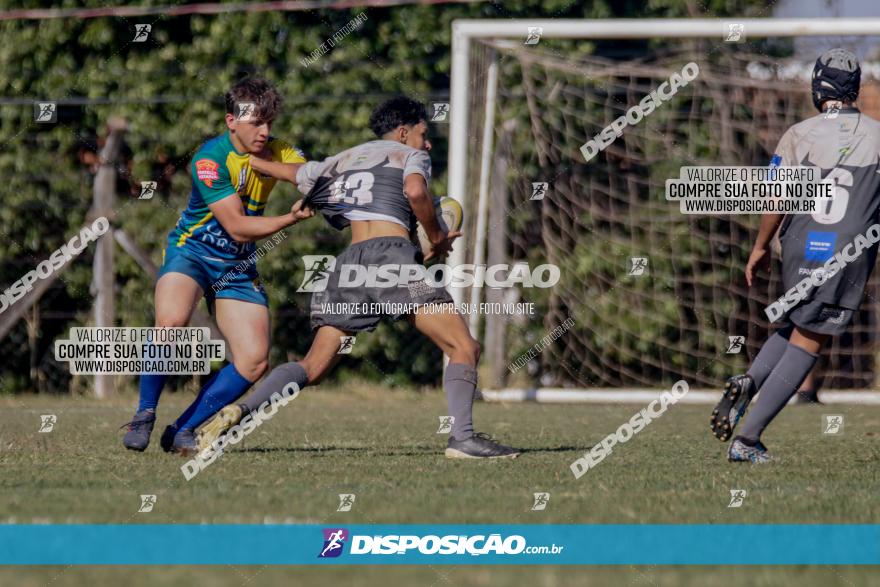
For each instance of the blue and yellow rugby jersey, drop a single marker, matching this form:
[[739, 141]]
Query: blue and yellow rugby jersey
[[218, 171]]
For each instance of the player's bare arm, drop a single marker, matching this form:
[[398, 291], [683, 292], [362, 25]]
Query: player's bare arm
[[760, 256], [230, 214], [276, 169], [419, 196]]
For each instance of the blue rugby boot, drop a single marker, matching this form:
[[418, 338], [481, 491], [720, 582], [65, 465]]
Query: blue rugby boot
[[139, 430]]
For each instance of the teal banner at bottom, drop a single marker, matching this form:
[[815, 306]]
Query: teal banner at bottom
[[354, 544]]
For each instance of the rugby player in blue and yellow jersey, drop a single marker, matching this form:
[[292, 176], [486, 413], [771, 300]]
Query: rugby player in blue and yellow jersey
[[214, 235]]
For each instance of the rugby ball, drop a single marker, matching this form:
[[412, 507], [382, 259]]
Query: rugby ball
[[449, 216]]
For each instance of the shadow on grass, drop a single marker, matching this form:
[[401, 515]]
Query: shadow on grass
[[335, 450], [552, 449], [409, 451]]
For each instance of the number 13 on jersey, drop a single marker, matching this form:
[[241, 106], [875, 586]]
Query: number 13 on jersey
[[355, 190]]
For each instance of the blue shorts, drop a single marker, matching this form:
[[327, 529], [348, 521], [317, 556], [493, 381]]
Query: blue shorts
[[232, 280]]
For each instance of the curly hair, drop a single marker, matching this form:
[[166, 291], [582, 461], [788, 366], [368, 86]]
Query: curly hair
[[394, 112], [266, 98]]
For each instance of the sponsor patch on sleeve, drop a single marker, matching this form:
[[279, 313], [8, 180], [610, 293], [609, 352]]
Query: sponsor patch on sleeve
[[207, 171]]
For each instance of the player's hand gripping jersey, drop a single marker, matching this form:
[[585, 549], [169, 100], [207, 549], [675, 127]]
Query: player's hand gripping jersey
[[364, 183], [218, 171], [846, 148]]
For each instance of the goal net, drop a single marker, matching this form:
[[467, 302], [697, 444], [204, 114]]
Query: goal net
[[632, 322]]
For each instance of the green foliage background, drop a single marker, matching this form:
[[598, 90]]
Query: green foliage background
[[170, 90]]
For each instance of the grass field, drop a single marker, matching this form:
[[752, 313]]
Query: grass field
[[383, 447]]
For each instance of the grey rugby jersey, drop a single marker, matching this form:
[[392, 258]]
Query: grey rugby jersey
[[847, 150], [364, 183]]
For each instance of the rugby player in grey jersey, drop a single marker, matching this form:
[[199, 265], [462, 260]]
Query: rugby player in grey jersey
[[845, 145], [379, 189]]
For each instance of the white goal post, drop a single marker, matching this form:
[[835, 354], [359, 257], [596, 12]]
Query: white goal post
[[470, 173], [467, 30]]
